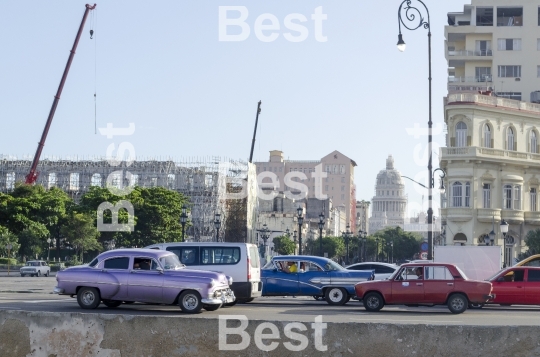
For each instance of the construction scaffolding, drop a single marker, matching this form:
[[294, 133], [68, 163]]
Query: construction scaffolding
[[204, 180]]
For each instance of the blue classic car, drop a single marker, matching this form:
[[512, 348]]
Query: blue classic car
[[301, 275]]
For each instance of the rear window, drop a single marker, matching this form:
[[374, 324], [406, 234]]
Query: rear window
[[93, 263], [117, 263], [254, 257], [534, 275], [220, 255]]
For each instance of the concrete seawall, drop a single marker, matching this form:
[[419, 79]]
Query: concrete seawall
[[87, 334]]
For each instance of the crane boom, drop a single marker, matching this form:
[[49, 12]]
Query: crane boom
[[33, 174]]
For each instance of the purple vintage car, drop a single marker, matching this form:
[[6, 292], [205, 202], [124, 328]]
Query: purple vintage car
[[144, 275]]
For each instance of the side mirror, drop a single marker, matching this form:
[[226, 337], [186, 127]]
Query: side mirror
[[500, 279], [160, 270]]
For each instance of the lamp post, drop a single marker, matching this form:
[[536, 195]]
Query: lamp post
[[265, 235], [504, 230], [48, 251], [321, 226], [347, 237], [412, 14], [8, 247], [183, 221], [294, 239], [300, 210], [390, 246], [364, 241], [217, 224]]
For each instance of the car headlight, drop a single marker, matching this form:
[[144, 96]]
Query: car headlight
[[230, 280]]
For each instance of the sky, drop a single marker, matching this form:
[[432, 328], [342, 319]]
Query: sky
[[340, 84]]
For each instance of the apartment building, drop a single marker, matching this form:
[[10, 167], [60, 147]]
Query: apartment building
[[492, 158], [338, 186]]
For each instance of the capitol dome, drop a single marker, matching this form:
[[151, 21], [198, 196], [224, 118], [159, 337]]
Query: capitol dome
[[389, 205]]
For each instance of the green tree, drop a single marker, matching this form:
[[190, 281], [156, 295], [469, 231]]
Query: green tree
[[532, 239], [405, 244], [157, 215], [6, 237], [284, 245], [31, 243], [334, 247], [81, 233]]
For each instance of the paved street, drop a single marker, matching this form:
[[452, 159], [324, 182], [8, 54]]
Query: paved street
[[34, 294]]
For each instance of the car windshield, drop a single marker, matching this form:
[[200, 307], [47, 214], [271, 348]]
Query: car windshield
[[333, 266], [32, 264], [269, 266], [494, 275], [171, 262]]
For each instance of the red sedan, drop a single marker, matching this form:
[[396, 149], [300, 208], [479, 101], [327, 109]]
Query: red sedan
[[425, 284], [519, 285]]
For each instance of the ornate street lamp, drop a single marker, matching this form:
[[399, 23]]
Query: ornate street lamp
[[347, 237], [504, 229], [321, 226], [183, 221], [217, 224], [414, 20], [265, 235], [300, 210], [49, 251]]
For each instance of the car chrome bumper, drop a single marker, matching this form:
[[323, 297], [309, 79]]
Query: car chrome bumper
[[225, 298], [58, 290], [489, 297]]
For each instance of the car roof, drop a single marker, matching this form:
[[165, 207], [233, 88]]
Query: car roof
[[390, 265], [319, 260], [134, 251], [427, 264], [198, 243]]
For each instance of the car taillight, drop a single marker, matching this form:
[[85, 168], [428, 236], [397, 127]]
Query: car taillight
[[248, 269]]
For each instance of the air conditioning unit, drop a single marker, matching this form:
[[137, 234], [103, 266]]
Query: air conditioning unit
[[535, 96]]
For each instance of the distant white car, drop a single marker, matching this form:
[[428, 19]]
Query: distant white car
[[35, 268], [382, 270]]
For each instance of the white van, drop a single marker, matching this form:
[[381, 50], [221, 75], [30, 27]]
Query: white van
[[237, 260]]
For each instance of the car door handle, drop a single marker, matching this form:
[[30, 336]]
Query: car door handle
[[419, 284], [450, 284], [519, 287]]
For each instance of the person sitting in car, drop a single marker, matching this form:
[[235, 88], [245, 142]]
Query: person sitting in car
[[420, 273], [144, 265]]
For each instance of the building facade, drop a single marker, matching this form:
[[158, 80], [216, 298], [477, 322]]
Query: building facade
[[492, 158], [389, 205], [362, 215], [338, 186]]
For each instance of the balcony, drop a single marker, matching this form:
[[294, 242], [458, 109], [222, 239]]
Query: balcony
[[512, 216], [469, 53], [487, 215], [480, 153], [457, 214], [491, 101], [532, 218]]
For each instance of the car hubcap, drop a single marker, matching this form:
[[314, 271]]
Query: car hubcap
[[190, 301], [88, 298], [458, 304], [336, 295], [373, 302]]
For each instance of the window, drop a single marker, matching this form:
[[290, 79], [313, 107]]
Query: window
[[95, 180], [93, 263], [487, 195], [537, 71], [437, 273], [509, 44], [342, 197], [532, 195], [408, 273], [342, 188], [461, 134], [510, 143], [509, 95], [187, 255], [483, 48], [534, 275], [534, 143], [74, 181], [457, 194], [509, 71], [509, 16], [254, 254], [218, 255], [484, 16], [512, 197], [461, 194], [482, 74], [487, 136], [117, 263], [53, 180]]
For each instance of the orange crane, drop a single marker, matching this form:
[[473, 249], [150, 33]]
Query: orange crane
[[33, 174]]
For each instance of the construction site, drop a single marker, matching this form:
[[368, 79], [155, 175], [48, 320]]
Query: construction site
[[210, 183]]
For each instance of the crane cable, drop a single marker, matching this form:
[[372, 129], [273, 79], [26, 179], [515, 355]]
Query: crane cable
[[93, 21]]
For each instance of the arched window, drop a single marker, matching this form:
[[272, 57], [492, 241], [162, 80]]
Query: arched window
[[487, 136], [95, 180], [534, 143], [461, 134], [510, 140]]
